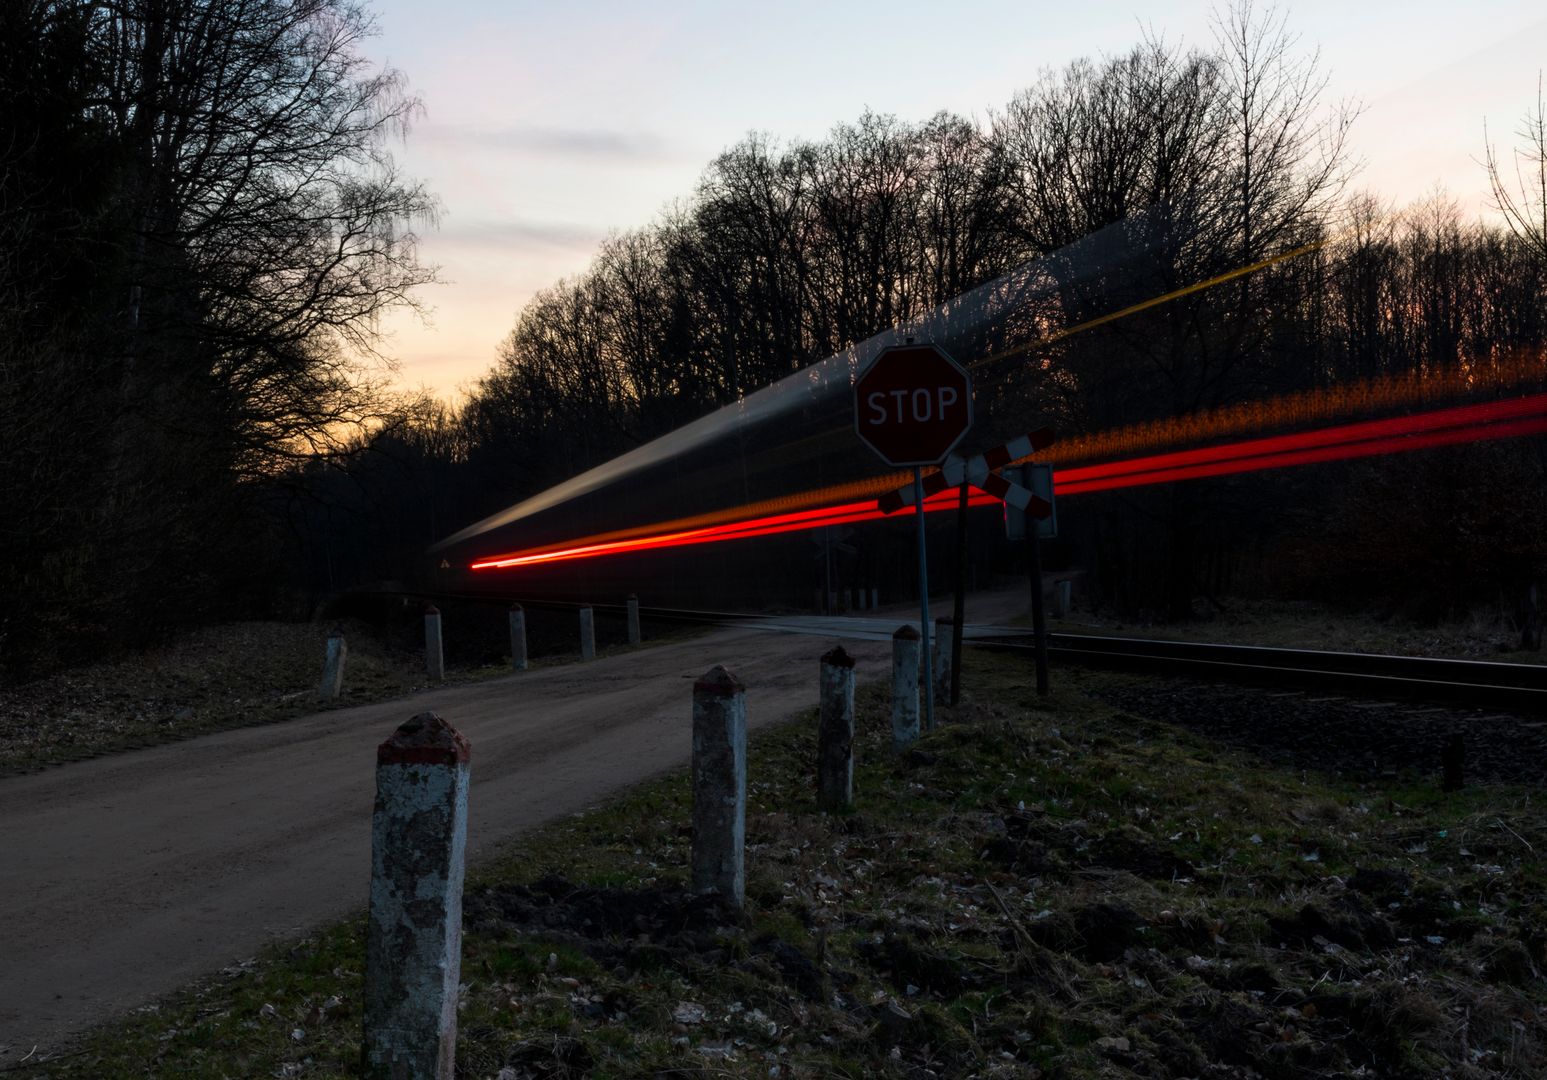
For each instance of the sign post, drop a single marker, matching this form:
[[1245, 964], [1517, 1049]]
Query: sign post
[[912, 406], [1038, 479]]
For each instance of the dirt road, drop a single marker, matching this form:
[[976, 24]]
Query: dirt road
[[126, 877]]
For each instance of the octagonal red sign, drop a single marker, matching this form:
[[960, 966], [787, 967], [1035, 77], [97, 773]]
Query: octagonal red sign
[[913, 405]]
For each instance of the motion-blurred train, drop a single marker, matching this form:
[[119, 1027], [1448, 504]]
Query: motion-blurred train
[[733, 511]]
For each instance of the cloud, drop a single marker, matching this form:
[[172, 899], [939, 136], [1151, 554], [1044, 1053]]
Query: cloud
[[590, 145], [522, 234]]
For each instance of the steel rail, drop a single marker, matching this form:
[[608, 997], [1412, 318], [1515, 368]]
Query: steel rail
[[1474, 682], [1482, 683]]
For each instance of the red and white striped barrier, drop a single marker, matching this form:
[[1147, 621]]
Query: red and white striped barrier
[[979, 472]]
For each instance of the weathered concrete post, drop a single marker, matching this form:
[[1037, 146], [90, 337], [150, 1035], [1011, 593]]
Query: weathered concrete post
[[587, 633], [875, 599], [835, 732], [945, 630], [634, 636], [333, 666], [719, 786], [413, 944], [434, 658], [859, 598], [905, 687], [1063, 598], [518, 660]]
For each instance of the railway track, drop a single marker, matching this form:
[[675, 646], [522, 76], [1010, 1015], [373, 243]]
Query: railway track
[[1517, 687], [1472, 682]]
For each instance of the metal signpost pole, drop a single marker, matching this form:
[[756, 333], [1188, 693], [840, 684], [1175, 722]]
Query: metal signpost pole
[[959, 614], [1038, 616], [924, 653]]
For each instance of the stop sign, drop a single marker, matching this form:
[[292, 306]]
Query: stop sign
[[913, 405]]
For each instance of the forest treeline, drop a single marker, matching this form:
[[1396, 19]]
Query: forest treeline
[[1191, 164], [200, 222]]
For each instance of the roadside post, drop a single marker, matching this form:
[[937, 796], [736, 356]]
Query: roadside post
[[634, 636], [413, 944], [835, 732], [905, 687], [518, 660], [959, 612], [945, 653], [720, 786], [587, 633], [434, 656], [912, 405], [333, 666], [1037, 479]]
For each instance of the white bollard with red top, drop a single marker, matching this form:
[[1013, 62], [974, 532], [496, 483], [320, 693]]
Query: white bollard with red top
[[413, 944]]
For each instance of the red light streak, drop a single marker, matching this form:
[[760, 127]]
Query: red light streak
[[1445, 427], [845, 514]]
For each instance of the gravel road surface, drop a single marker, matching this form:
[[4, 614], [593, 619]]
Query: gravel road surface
[[126, 877]]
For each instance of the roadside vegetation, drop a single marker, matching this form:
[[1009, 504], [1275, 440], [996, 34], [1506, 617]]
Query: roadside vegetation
[[234, 675], [1483, 634], [1042, 887]]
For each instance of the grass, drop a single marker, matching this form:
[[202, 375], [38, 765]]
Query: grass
[[1042, 887], [1485, 634], [217, 678]]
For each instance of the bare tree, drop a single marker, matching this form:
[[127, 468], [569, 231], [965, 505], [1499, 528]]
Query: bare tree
[[1524, 204], [269, 225]]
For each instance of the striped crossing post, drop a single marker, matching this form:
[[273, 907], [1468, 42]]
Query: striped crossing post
[[979, 472]]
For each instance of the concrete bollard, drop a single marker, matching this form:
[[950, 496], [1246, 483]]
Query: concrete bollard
[[518, 659], [434, 657], [905, 687], [835, 732], [333, 666], [875, 599], [587, 633], [413, 944], [859, 599], [1063, 598], [634, 636], [944, 630], [720, 786]]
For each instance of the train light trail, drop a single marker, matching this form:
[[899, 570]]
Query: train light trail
[[1499, 374], [846, 514], [1512, 418], [1466, 423]]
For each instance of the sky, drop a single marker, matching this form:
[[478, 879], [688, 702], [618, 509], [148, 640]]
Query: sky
[[548, 125]]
